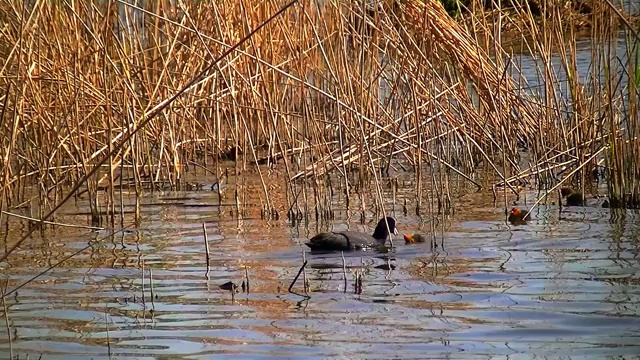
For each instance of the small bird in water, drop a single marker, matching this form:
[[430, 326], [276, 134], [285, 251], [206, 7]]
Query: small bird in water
[[519, 216], [414, 238], [354, 240], [574, 198]]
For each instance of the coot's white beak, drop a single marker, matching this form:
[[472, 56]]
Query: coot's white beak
[[395, 232]]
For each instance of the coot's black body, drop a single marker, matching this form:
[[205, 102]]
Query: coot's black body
[[574, 198], [353, 240]]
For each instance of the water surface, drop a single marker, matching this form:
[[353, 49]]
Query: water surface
[[564, 285]]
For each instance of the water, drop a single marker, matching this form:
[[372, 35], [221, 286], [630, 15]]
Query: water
[[559, 286]]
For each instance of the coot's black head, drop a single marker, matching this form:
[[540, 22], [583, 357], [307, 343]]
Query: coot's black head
[[381, 232]]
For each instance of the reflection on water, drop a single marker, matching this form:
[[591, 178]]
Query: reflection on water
[[555, 287]]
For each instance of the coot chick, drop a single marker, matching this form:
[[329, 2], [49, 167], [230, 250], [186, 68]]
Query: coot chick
[[574, 198], [353, 240], [518, 216], [414, 238]]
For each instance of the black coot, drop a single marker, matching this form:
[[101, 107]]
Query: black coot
[[353, 240], [574, 198]]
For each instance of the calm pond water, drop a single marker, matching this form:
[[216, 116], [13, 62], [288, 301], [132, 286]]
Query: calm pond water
[[564, 285]]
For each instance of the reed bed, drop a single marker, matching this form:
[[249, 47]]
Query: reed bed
[[333, 94], [588, 113]]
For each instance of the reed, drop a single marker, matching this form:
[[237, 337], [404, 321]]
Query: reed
[[587, 119], [347, 89]]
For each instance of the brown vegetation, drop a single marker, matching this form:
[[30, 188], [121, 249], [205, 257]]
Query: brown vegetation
[[326, 87]]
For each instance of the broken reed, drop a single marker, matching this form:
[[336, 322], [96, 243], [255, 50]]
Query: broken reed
[[328, 88]]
